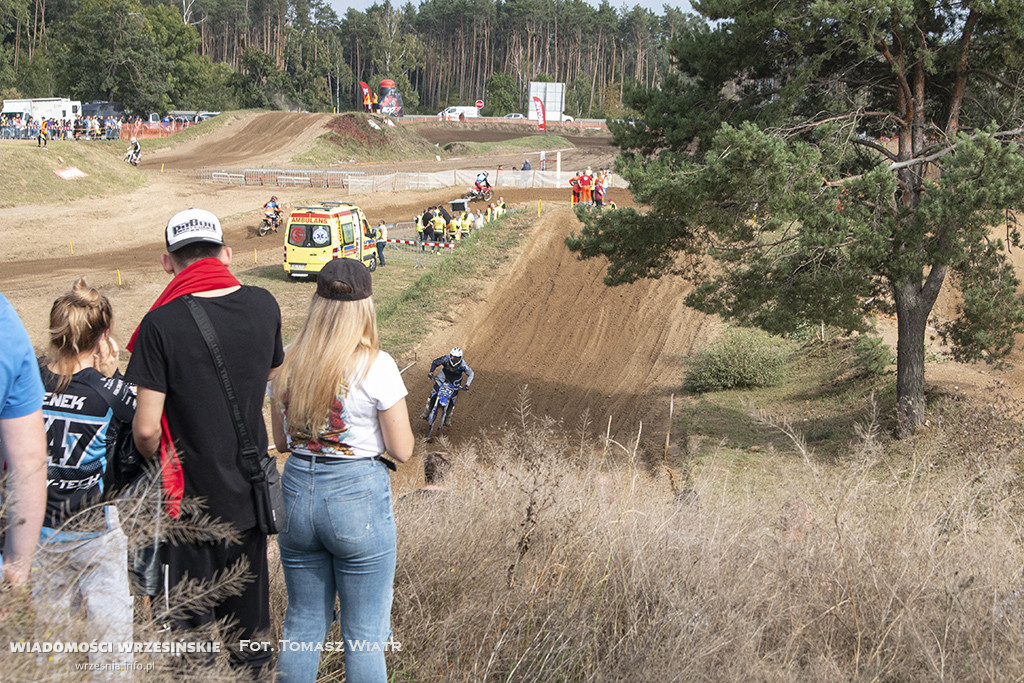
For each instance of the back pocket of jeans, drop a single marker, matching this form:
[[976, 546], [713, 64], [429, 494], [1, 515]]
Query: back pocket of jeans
[[351, 515]]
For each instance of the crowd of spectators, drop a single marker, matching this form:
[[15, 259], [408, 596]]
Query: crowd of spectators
[[81, 128]]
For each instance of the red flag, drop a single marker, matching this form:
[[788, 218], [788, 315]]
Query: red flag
[[539, 106]]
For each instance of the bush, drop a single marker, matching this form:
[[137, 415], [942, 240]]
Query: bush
[[873, 356], [743, 358]]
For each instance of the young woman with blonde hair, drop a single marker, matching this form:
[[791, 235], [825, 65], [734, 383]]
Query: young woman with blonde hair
[[338, 405], [82, 557]]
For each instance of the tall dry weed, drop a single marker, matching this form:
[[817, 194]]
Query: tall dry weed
[[896, 570], [558, 554]]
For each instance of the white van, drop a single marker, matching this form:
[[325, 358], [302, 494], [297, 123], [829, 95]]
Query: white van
[[453, 113]]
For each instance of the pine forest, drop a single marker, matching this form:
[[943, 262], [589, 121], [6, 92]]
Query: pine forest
[[301, 55]]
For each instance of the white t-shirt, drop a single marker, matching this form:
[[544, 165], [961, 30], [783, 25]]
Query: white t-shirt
[[353, 430]]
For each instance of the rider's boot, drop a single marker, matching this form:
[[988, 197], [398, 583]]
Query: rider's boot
[[426, 411], [448, 417]]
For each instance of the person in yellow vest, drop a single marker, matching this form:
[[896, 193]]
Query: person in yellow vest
[[439, 227], [466, 223], [419, 230], [366, 101], [376, 107], [44, 127], [454, 229], [489, 213], [381, 233]]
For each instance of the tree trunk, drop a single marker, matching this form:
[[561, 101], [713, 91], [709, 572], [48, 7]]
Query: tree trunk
[[911, 320], [914, 303]]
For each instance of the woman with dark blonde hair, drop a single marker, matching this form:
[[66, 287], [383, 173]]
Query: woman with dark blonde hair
[[83, 551], [338, 405]]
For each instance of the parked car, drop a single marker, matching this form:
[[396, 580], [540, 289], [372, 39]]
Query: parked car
[[453, 113], [513, 115]]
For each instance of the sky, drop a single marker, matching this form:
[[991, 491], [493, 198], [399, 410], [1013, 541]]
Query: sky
[[342, 6]]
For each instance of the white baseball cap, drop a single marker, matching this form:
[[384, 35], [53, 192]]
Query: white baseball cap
[[193, 225]]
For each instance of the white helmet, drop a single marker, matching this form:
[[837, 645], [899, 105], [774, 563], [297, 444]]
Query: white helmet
[[133, 140], [455, 356]]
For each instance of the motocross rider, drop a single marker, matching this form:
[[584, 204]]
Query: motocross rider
[[135, 148], [482, 183], [452, 369], [272, 205]]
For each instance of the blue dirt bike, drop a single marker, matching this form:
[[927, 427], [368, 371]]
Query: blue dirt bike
[[442, 407]]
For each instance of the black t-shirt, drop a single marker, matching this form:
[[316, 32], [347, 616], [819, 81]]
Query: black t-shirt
[[77, 423], [171, 357]]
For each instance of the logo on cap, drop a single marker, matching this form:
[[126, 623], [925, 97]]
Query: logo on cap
[[193, 225]]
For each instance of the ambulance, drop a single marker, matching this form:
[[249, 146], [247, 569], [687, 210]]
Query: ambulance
[[315, 235]]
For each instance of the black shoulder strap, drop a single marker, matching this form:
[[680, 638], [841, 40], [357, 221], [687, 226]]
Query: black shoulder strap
[[96, 381], [250, 455]]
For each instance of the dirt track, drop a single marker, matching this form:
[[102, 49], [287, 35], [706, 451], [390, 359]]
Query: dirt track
[[253, 139], [273, 139], [550, 324]]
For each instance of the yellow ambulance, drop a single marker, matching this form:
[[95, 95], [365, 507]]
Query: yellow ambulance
[[317, 234]]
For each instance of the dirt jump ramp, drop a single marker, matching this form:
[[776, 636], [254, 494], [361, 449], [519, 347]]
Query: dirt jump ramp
[[260, 139], [552, 326]]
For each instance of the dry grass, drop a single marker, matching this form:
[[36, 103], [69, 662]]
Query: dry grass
[[545, 565], [559, 555]]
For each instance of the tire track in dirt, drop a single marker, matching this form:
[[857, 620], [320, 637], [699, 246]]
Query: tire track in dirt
[[269, 138], [550, 324]]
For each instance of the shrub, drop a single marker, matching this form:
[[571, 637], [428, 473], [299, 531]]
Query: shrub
[[742, 358], [873, 356]]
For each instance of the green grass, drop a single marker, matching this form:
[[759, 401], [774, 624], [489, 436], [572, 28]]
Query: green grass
[[822, 396], [27, 172], [403, 317], [532, 143]]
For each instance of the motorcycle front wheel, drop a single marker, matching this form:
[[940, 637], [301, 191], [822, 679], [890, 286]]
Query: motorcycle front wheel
[[435, 420], [487, 195], [264, 229]]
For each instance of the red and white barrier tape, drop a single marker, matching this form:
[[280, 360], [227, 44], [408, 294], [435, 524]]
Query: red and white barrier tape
[[444, 245]]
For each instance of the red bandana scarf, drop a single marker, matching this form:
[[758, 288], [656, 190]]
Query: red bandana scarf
[[202, 276]]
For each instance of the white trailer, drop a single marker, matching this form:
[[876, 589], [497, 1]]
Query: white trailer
[[60, 108]]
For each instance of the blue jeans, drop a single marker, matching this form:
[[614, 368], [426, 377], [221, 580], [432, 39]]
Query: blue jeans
[[339, 539]]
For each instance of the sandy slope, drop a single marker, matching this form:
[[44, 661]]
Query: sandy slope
[[265, 139], [551, 325]]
